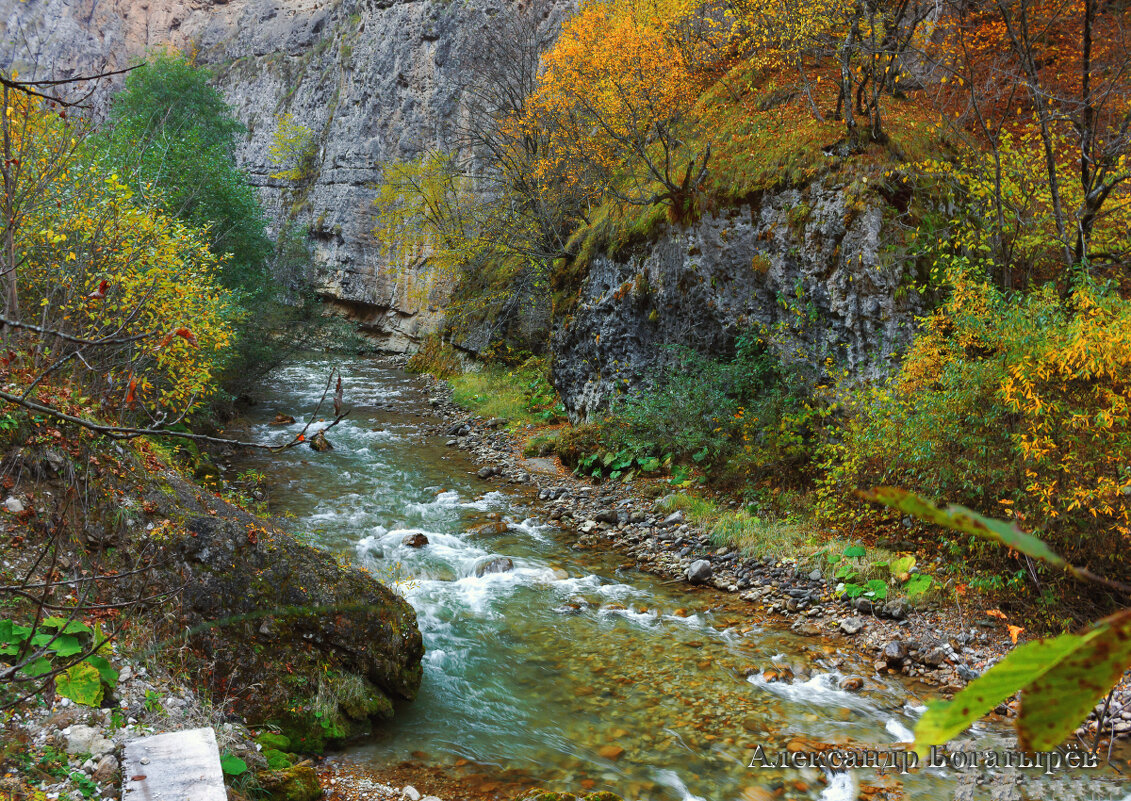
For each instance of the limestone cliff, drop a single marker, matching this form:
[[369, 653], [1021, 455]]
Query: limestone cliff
[[374, 80], [820, 265]]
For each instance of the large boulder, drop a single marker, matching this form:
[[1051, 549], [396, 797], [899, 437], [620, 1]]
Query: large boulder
[[278, 623]]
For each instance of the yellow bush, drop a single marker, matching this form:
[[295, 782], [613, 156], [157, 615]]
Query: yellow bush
[[94, 264]]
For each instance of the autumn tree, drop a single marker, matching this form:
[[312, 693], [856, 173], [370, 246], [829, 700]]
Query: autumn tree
[[617, 98], [864, 46], [1047, 78]]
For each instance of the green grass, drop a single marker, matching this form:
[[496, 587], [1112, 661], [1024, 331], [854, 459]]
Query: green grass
[[750, 534], [493, 392]]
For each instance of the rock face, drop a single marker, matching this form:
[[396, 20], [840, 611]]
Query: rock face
[[373, 80], [813, 260]]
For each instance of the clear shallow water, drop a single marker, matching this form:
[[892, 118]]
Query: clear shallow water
[[568, 669]]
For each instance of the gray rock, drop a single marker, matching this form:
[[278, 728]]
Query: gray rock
[[863, 605], [967, 674], [87, 740], [852, 625], [699, 284], [935, 657], [14, 505], [106, 770], [606, 516], [674, 519], [815, 575], [499, 564], [896, 610], [486, 472], [416, 540], [699, 571], [895, 652]]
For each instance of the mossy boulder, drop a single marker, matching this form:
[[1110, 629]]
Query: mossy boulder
[[297, 636], [299, 783]]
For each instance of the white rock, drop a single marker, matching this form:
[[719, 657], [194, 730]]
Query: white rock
[[13, 505], [87, 740], [411, 793]]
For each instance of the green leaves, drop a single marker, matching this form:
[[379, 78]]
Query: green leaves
[[1052, 705], [901, 568], [232, 765], [959, 518], [917, 585], [1061, 679], [81, 683]]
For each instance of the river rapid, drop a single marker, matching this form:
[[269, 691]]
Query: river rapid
[[571, 669]]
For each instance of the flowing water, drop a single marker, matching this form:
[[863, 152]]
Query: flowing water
[[570, 669]]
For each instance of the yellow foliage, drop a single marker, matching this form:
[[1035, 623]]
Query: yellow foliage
[[95, 264]]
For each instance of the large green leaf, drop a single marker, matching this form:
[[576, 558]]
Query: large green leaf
[[67, 645], [1024, 665], [39, 667], [68, 626], [232, 765], [81, 683], [108, 674], [12, 632], [917, 585], [962, 519], [1056, 703]]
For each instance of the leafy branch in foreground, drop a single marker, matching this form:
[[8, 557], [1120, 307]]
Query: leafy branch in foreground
[[1060, 679]]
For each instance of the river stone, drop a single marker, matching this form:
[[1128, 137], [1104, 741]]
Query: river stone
[[606, 516], [851, 683], [896, 610], [674, 519], [416, 540], [935, 657], [500, 564], [87, 740], [106, 770], [319, 443], [852, 625], [486, 472], [699, 571], [815, 575], [487, 529], [894, 653], [282, 420]]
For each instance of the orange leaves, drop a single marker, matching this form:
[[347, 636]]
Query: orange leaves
[[1000, 615], [1014, 631], [185, 334]]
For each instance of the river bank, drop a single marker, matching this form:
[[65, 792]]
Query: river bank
[[944, 646]]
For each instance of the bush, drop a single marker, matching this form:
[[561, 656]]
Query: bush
[[436, 357], [1007, 403], [743, 417]]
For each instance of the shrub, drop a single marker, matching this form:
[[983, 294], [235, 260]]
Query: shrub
[[1007, 402], [749, 415], [436, 357]]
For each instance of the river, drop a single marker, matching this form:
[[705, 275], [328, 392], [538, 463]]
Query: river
[[569, 668]]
